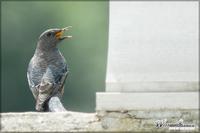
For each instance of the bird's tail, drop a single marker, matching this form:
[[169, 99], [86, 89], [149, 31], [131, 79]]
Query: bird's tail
[[45, 92]]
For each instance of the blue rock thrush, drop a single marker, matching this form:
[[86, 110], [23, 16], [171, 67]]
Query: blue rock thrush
[[47, 70]]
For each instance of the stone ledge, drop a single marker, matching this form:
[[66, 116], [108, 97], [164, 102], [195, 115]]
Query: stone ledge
[[134, 120], [34, 121], [146, 100], [153, 86]]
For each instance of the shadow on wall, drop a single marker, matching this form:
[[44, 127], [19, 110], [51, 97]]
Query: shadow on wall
[[23, 22]]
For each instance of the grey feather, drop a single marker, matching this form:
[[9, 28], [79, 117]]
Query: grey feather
[[46, 73]]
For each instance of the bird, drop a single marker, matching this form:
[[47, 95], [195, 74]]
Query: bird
[[47, 69]]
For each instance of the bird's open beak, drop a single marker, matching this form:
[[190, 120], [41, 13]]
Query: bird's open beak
[[59, 34]]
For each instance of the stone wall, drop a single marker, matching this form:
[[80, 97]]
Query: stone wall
[[101, 121]]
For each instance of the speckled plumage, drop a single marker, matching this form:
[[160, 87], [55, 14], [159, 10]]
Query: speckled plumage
[[47, 70]]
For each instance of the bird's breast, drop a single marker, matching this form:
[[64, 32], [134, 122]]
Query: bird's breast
[[48, 66]]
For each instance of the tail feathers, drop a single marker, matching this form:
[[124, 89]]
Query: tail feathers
[[45, 92]]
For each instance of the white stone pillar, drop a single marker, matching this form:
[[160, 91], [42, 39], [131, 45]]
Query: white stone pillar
[[152, 56]]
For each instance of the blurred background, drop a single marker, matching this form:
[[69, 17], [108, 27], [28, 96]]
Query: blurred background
[[86, 52]]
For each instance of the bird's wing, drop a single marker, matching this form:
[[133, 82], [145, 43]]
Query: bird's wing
[[52, 83], [30, 81], [32, 73]]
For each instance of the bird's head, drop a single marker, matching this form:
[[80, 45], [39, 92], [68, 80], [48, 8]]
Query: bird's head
[[51, 37]]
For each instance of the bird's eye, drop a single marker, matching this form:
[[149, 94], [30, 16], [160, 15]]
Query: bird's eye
[[49, 34]]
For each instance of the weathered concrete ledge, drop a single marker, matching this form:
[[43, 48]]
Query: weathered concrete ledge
[[134, 120]]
